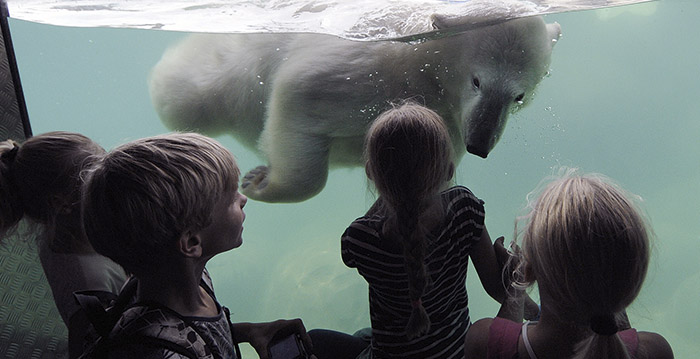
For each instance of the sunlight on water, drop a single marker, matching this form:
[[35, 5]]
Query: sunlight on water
[[620, 100]]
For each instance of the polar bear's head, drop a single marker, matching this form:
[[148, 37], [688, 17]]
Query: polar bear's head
[[501, 65]]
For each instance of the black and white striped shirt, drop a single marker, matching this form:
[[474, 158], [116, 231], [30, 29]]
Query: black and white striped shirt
[[380, 261]]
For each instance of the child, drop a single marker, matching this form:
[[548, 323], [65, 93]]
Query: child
[[162, 207], [587, 247], [40, 181], [413, 245]]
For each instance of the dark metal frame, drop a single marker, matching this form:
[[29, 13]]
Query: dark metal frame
[[14, 70]]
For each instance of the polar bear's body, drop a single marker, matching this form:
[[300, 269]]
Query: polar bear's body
[[305, 101]]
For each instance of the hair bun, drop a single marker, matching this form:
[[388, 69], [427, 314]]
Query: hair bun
[[9, 155], [604, 324]]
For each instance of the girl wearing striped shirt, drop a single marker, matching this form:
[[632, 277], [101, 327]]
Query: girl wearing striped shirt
[[414, 244]]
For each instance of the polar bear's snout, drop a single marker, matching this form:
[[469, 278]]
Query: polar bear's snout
[[477, 151], [485, 125]]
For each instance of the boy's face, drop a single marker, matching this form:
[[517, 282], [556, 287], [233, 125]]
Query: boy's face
[[224, 231]]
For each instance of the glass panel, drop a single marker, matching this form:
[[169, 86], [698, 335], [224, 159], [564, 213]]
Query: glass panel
[[619, 100]]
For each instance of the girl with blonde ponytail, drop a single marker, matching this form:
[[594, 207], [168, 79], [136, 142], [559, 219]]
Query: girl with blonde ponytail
[[414, 244], [587, 247]]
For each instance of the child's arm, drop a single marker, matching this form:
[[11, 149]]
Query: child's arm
[[483, 257], [259, 335], [517, 303], [477, 338], [512, 307]]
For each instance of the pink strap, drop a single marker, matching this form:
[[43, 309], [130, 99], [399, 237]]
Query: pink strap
[[631, 340], [504, 334], [503, 339]]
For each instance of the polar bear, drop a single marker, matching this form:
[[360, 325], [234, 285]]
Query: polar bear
[[305, 101]]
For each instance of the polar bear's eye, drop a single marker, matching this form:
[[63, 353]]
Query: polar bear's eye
[[520, 97], [475, 82]]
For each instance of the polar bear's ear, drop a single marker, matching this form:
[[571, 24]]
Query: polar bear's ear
[[554, 32]]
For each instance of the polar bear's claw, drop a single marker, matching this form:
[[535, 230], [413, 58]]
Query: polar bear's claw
[[257, 177]]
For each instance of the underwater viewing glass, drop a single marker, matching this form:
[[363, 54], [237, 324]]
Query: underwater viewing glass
[[617, 98]]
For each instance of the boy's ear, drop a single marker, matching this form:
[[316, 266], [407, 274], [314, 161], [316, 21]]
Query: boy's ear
[[190, 245], [369, 175]]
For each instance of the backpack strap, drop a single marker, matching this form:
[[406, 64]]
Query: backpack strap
[[103, 309], [236, 348], [93, 305]]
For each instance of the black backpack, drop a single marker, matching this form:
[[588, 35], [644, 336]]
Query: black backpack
[[118, 322]]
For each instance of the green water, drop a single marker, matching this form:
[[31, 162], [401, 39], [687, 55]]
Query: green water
[[621, 100]]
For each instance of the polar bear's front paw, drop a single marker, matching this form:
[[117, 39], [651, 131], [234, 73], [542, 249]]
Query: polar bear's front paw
[[256, 179]]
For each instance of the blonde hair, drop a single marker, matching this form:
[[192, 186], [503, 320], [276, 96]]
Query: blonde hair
[[40, 180], [142, 196], [587, 245], [409, 158]]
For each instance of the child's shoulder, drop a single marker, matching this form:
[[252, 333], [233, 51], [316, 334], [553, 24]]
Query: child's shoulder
[[129, 328], [457, 189], [370, 224], [147, 330], [461, 193], [477, 338], [155, 332], [654, 345]]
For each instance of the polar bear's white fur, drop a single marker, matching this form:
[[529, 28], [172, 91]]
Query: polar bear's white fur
[[305, 100]]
